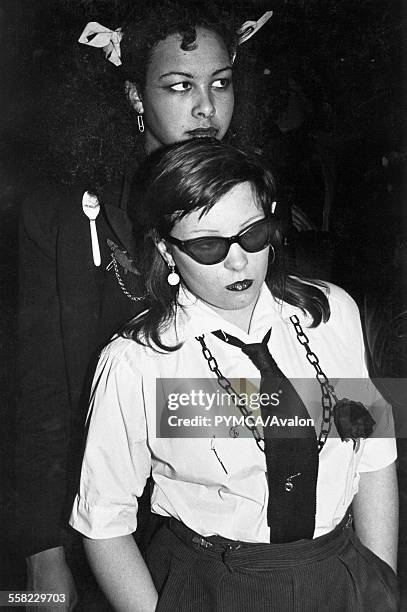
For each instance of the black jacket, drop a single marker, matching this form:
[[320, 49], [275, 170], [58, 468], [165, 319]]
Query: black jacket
[[68, 309]]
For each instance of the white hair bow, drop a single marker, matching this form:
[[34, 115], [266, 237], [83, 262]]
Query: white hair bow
[[249, 28], [97, 35]]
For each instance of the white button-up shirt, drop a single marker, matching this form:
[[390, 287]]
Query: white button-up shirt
[[218, 485]]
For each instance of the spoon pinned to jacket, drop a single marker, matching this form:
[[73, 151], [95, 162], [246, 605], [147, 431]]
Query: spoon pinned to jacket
[[91, 208]]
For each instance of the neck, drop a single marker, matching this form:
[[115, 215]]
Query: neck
[[151, 144], [241, 318]]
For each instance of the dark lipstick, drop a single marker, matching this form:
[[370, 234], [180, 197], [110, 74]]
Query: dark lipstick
[[240, 285]]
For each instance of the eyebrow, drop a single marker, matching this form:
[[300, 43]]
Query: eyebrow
[[215, 232], [191, 76]]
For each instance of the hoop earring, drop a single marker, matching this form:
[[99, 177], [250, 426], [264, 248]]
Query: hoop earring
[[173, 278], [274, 255], [140, 123]]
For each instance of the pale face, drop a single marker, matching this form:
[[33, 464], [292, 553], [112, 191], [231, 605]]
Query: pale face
[[232, 286], [187, 93]]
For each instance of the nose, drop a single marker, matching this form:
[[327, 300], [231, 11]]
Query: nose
[[204, 106], [236, 260]]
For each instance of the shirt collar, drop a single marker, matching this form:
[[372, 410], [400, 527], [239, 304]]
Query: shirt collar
[[194, 317]]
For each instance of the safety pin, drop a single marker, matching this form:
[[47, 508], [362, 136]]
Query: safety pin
[[288, 484], [110, 265]]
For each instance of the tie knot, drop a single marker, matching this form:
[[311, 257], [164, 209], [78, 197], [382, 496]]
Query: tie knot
[[257, 352], [260, 356]]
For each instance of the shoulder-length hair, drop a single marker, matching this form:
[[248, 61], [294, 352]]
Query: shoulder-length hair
[[195, 175]]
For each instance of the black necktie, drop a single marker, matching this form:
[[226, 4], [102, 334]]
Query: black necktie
[[291, 450]]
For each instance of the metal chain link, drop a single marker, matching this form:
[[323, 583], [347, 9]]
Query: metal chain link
[[327, 390], [227, 386], [122, 286]]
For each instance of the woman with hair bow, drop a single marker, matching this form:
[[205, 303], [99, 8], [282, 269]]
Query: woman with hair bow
[[78, 278], [258, 511]]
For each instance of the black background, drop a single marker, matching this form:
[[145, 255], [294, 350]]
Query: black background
[[319, 90]]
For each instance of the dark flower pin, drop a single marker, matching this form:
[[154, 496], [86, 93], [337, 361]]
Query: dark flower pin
[[352, 420]]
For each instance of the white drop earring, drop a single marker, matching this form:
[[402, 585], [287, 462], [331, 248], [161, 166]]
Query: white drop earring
[[173, 278]]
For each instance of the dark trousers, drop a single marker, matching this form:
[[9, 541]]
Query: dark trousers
[[335, 573]]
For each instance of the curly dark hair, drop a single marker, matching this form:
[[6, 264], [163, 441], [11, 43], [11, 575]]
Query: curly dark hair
[[156, 20], [87, 128]]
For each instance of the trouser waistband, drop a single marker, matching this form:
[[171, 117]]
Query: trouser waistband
[[267, 555]]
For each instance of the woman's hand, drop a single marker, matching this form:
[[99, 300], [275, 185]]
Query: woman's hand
[[376, 513], [48, 572]]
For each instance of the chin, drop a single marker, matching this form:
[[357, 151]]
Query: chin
[[240, 301]]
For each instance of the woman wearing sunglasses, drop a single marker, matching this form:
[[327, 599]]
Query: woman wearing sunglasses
[[248, 528]]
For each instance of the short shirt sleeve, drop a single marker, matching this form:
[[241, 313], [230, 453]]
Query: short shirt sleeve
[[379, 450], [117, 461]]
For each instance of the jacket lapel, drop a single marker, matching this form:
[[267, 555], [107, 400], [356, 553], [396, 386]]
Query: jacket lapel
[[92, 303], [114, 201]]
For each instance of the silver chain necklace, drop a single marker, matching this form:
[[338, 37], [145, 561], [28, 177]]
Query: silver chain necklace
[[237, 398], [327, 390]]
